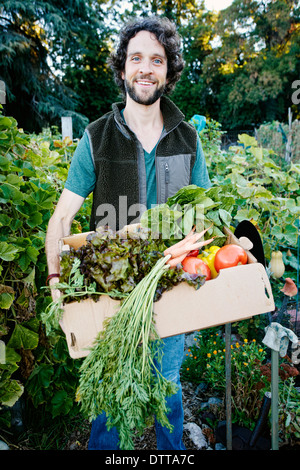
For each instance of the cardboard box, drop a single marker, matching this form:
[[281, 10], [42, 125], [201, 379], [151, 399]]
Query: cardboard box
[[236, 294]]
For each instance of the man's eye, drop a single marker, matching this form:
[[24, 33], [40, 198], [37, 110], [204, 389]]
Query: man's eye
[[157, 61], [135, 59]]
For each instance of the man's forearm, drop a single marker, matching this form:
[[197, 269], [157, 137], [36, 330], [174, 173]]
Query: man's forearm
[[60, 226], [57, 229]]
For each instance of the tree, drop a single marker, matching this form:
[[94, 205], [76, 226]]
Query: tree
[[241, 63], [35, 37], [261, 60], [89, 76]]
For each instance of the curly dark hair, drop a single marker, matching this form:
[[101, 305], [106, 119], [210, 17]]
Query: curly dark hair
[[165, 32]]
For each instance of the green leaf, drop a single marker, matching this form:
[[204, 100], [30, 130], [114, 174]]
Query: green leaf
[[34, 220], [10, 392], [247, 214], [8, 252], [29, 255], [10, 194], [61, 403], [257, 152], [291, 235], [24, 338], [6, 300], [5, 220], [5, 122], [43, 199], [247, 140], [41, 376], [4, 163], [225, 217]]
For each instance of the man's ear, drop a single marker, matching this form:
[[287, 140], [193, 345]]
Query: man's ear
[[123, 75]]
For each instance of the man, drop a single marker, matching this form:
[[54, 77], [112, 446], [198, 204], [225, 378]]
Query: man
[[133, 157]]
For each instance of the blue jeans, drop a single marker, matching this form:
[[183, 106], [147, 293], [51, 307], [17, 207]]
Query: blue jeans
[[101, 439]]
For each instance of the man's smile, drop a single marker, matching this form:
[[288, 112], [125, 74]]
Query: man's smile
[[146, 83]]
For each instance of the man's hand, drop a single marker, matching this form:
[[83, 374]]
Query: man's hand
[[55, 293]]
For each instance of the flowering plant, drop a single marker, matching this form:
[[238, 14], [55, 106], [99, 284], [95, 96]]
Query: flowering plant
[[205, 361]]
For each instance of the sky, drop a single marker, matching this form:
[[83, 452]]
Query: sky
[[217, 4]]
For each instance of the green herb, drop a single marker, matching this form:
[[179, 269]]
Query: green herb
[[74, 288], [121, 376], [110, 263], [192, 206]]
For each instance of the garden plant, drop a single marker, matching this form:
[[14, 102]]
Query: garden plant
[[248, 182]]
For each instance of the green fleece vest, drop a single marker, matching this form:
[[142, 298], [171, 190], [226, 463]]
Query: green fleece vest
[[119, 197]]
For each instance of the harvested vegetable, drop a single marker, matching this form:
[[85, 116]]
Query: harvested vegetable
[[192, 206], [229, 256], [208, 256], [190, 243], [121, 376], [194, 265], [109, 263]]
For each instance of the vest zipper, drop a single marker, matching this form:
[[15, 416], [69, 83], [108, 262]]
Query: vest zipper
[[167, 179]]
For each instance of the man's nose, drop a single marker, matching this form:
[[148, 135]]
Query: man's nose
[[146, 66]]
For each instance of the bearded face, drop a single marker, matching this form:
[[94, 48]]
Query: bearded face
[[145, 69]]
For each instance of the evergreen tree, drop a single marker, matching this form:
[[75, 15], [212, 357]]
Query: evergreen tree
[[35, 39]]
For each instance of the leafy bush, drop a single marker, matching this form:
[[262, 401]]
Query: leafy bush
[[206, 362], [33, 171], [250, 379]]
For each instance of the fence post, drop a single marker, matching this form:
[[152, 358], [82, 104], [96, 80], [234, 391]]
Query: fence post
[[228, 386], [2, 92], [66, 127], [288, 148]]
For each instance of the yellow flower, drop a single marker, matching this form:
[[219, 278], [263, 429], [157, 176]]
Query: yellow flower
[[195, 357], [237, 345], [215, 352], [245, 363], [260, 350], [245, 341], [208, 355], [208, 366], [187, 368]]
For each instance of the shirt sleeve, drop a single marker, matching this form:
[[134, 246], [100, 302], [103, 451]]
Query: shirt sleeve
[[81, 176], [200, 175]]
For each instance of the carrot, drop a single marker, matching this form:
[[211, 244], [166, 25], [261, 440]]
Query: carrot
[[179, 250]]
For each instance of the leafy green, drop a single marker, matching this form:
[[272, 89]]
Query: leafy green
[[111, 263], [121, 374], [191, 206]]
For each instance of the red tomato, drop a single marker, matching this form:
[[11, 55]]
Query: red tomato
[[229, 256], [193, 253], [194, 265]]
